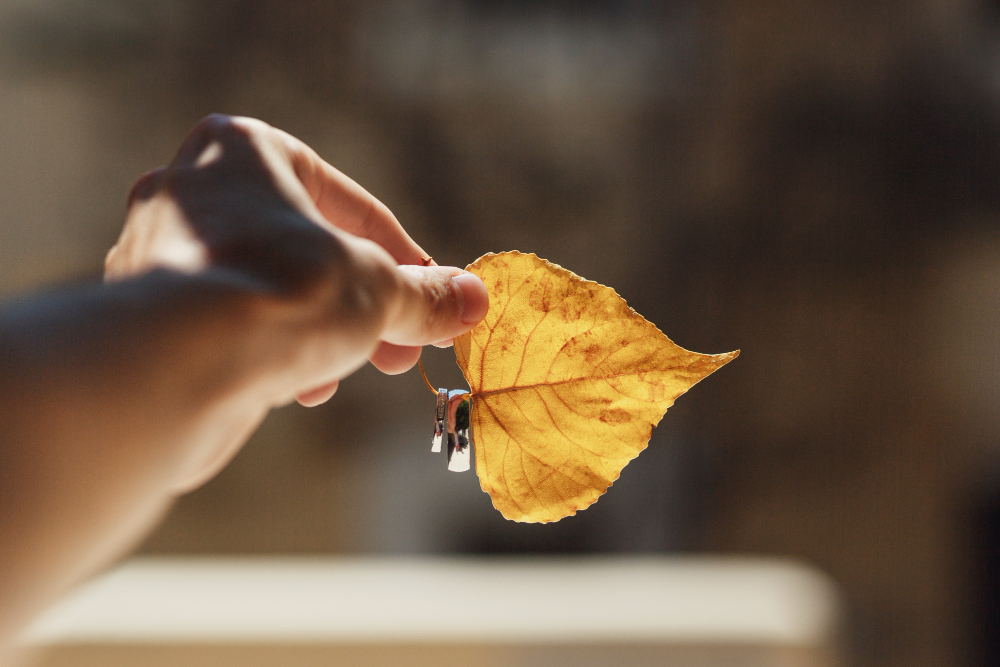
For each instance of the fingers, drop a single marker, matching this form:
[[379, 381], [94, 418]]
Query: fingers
[[394, 359], [357, 212], [429, 304], [350, 207], [342, 202], [319, 395], [435, 304]]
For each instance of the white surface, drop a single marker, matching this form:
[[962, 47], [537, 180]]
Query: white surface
[[515, 600]]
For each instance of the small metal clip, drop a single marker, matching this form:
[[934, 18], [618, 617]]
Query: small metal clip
[[459, 443], [440, 414]]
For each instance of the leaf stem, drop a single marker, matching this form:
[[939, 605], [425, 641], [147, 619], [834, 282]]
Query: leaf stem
[[422, 372], [420, 363]]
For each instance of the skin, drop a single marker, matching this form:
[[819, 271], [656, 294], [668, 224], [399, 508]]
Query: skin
[[249, 273]]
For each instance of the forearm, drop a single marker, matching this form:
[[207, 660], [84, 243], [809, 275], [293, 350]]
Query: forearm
[[114, 399]]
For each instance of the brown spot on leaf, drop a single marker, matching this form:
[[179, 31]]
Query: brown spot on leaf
[[615, 416], [570, 310]]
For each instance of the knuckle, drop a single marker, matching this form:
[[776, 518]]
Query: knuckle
[[146, 186], [438, 298], [245, 128], [217, 128], [173, 181], [376, 212], [213, 123]]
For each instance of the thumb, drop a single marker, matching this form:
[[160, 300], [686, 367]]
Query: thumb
[[437, 303]]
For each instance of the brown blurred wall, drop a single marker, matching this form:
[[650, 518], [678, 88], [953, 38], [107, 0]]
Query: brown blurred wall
[[814, 183]]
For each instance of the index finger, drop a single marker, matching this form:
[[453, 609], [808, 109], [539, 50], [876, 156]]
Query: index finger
[[350, 207]]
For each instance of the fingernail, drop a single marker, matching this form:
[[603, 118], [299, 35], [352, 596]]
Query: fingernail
[[473, 298]]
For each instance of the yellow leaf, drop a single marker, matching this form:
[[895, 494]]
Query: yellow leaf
[[567, 382]]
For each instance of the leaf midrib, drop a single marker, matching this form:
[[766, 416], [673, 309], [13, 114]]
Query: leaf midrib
[[505, 390]]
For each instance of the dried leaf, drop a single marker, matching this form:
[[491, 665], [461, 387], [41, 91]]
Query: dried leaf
[[567, 382]]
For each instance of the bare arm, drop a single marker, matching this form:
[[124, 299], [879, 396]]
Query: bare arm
[[249, 273]]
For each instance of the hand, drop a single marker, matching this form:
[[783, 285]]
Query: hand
[[249, 273], [247, 203]]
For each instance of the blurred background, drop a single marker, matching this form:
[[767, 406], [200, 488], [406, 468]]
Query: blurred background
[[816, 183]]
